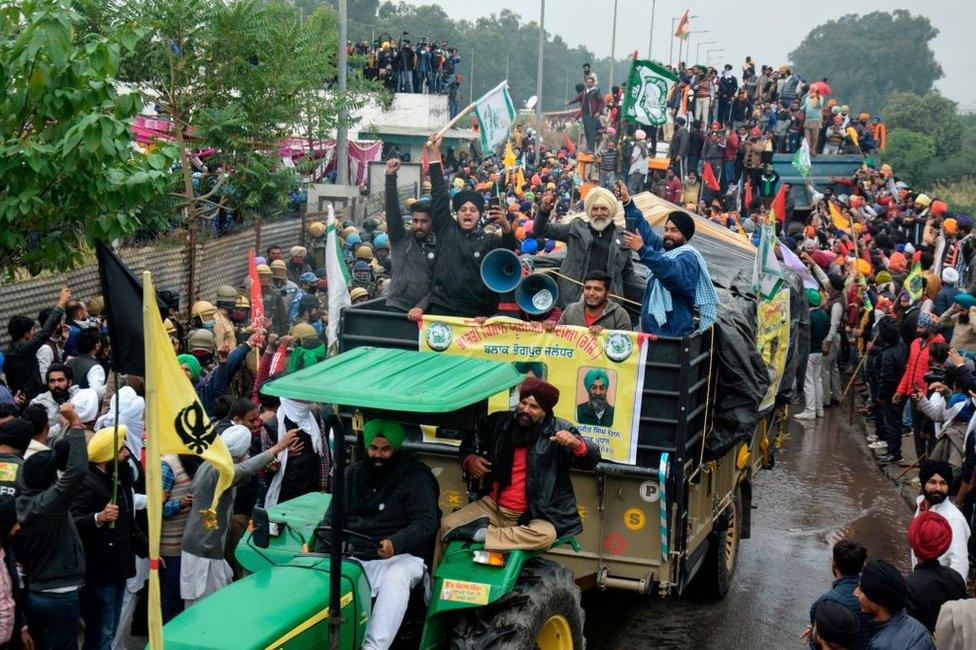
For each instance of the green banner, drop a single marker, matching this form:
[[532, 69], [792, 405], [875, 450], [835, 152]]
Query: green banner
[[646, 97]]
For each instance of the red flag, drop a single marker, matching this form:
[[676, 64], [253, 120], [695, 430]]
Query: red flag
[[569, 144], [257, 299], [708, 175], [748, 195], [779, 204]]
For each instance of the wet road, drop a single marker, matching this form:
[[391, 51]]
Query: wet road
[[824, 487]]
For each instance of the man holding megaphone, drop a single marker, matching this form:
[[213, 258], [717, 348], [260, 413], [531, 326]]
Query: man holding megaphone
[[457, 288]]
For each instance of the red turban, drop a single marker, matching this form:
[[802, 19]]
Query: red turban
[[545, 394], [929, 535]]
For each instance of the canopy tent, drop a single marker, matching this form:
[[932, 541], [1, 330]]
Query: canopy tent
[[398, 380]]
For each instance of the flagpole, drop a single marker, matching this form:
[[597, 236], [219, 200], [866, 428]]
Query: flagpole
[[467, 109], [115, 440], [153, 469]]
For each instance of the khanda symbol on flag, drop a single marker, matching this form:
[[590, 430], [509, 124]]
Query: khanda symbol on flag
[[194, 428]]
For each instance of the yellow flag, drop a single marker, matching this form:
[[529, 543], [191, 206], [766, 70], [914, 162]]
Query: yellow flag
[[915, 283], [519, 180], [175, 424], [508, 161], [840, 221]]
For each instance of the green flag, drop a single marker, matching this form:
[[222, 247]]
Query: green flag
[[801, 159], [645, 100]]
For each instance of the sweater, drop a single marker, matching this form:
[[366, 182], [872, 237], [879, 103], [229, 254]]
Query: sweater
[[929, 586], [48, 545], [20, 360], [613, 316]]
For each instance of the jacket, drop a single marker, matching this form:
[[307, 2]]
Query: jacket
[[579, 239], [109, 550], [678, 275], [400, 506], [752, 155], [594, 102], [209, 543], [891, 366], [48, 545], [900, 632], [20, 359], [613, 316], [679, 143], [842, 591], [413, 261], [548, 487], [929, 586], [918, 365], [457, 286]]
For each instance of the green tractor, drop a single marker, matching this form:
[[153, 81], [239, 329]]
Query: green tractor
[[478, 598]]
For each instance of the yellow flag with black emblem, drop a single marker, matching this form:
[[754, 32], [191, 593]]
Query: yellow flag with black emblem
[[175, 424], [915, 283]]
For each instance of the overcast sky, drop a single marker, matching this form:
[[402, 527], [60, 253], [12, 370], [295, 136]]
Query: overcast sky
[[765, 29]]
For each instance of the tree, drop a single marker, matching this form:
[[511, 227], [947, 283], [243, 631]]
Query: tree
[[866, 58], [68, 172], [910, 154], [931, 114]]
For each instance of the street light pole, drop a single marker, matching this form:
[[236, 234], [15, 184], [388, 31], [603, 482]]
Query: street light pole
[[342, 135], [709, 53], [688, 43], [698, 49], [613, 42], [650, 39], [538, 80], [671, 49]]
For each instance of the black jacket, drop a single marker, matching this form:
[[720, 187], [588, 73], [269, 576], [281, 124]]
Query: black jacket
[[891, 366], [109, 550], [457, 287], [929, 586], [401, 507], [20, 363], [548, 487], [413, 261], [48, 545]]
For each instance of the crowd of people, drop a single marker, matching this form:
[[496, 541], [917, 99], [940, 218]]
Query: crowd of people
[[888, 275]]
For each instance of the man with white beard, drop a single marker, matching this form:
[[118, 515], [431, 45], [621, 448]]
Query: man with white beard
[[595, 244]]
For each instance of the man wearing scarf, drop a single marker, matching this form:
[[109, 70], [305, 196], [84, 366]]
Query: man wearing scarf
[[457, 288], [391, 499], [592, 244], [526, 456], [306, 465], [679, 284], [935, 477], [308, 347]]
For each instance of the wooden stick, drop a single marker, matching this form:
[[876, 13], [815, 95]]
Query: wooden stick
[[854, 376], [454, 120], [917, 463]]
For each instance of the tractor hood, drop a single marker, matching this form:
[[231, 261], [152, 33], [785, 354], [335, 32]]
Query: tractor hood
[[284, 606]]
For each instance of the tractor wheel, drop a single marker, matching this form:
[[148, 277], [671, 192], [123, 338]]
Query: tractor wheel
[[714, 577], [542, 611]]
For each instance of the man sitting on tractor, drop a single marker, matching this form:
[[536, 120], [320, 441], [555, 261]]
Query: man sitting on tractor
[[527, 454], [391, 509]]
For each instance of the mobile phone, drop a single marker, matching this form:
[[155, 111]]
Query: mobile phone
[[493, 202]]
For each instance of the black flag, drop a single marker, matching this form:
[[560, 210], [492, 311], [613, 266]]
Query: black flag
[[123, 308]]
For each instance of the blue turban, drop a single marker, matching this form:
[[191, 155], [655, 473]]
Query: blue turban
[[593, 375]]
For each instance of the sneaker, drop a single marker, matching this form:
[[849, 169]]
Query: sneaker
[[888, 458], [820, 414], [467, 532], [871, 437], [880, 444], [806, 415]]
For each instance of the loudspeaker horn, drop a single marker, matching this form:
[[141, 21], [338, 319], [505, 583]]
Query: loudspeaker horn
[[537, 294], [501, 270]]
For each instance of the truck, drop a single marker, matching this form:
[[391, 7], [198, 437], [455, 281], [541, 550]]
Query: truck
[[667, 525]]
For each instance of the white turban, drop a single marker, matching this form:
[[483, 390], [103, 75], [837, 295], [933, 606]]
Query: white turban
[[950, 275], [909, 249], [238, 440], [601, 196], [809, 244], [133, 410], [85, 402], [301, 414]]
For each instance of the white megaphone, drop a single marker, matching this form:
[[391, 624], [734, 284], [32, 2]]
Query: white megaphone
[[536, 294], [531, 102]]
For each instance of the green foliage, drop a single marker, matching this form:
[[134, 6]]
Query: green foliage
[[910, 153], [69, 174], [866, 58], [931, 114]]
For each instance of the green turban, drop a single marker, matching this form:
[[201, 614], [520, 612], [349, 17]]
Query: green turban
[[388, 429], [813, 297], [191, 362], [593, 375]]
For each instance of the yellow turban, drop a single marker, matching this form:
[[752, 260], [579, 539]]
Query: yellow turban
[[600, 196], [102, 447]]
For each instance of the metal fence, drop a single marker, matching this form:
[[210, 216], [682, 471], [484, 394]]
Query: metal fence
[[222, 260]]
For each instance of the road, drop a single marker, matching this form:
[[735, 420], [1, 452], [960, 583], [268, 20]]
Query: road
[[824, 487]]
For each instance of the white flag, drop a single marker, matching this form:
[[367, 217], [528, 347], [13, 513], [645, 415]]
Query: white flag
[[495, 113], [801, 159], [338, 278], [767, 275]]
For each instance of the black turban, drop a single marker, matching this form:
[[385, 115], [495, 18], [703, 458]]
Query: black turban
[[683, 222], [932, 467], [16, 433], [884, 585], [836, 624], [8, 515], [464, 196]]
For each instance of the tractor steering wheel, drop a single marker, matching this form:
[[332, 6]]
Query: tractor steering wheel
[[327, 539]]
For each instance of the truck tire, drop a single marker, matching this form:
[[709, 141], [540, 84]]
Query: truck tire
[[714, 577], [542, 611]]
